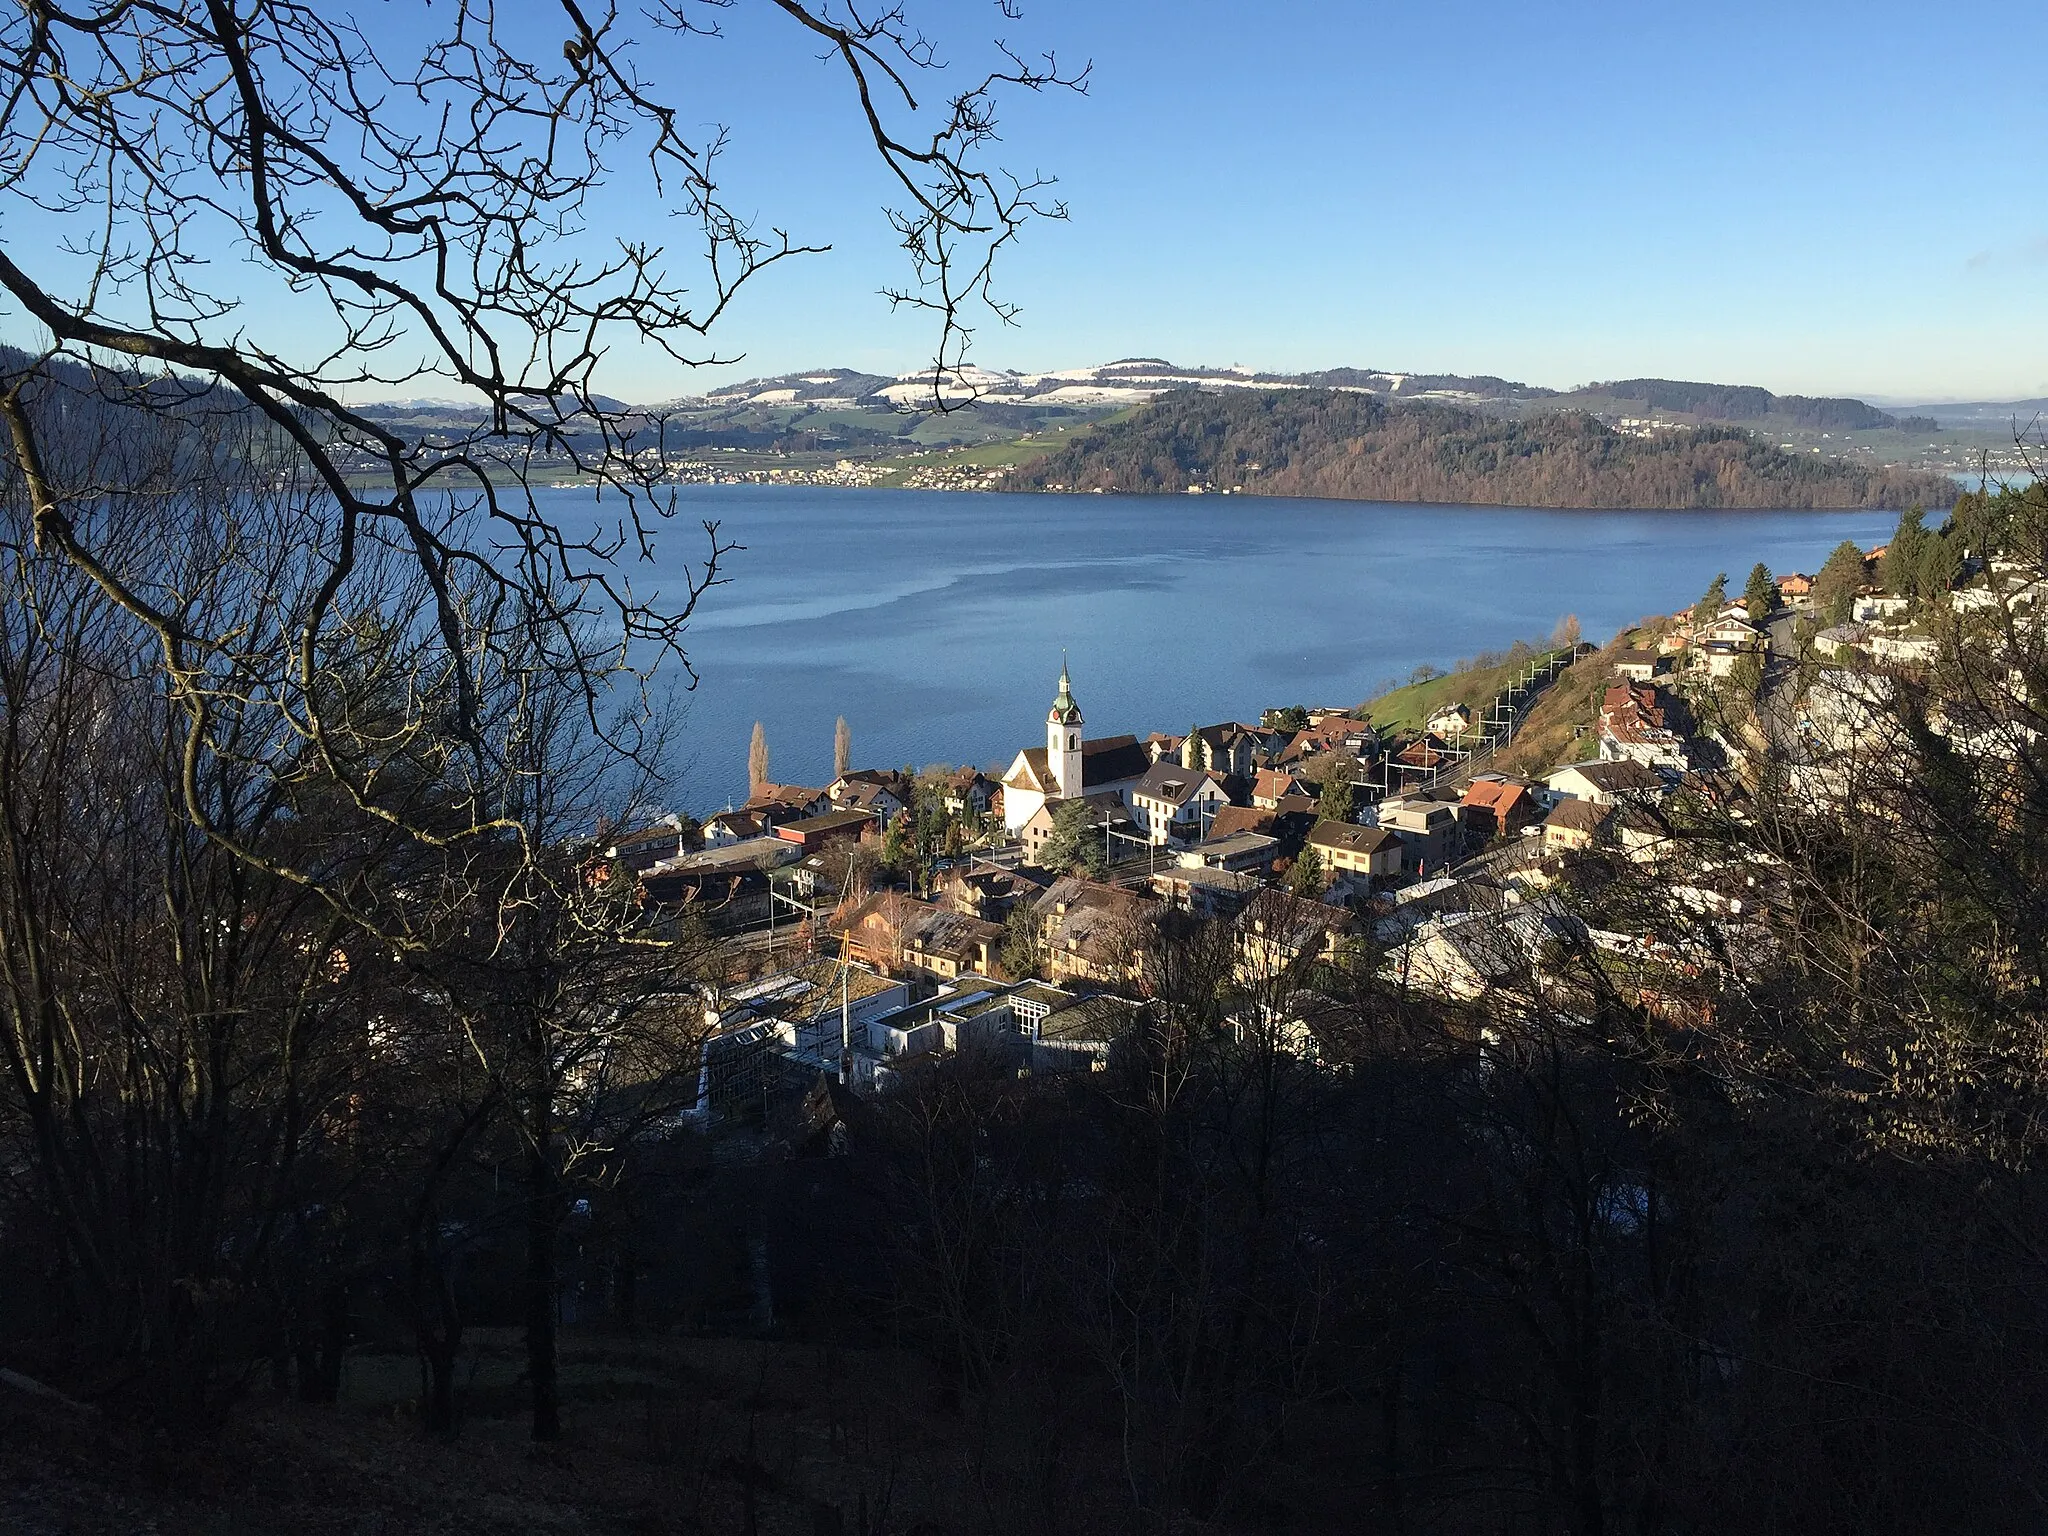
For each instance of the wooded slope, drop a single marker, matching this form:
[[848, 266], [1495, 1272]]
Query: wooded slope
[[1354, 447]]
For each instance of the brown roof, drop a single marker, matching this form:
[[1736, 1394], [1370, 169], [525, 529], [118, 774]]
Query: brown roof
[[1579, 816], [1499, 796], [1230, 820], [1350, 837]]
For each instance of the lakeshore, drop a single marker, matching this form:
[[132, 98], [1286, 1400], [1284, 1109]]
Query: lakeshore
[[932, 621]]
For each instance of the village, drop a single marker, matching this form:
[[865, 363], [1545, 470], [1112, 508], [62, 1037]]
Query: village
[[888, 921]]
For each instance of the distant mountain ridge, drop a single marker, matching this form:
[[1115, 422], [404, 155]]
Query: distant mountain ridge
[[1132, 381]]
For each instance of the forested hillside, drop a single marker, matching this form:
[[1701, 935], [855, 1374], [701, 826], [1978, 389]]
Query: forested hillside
[[1352, 446]]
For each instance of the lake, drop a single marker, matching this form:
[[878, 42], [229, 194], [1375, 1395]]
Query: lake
[[934, 622]]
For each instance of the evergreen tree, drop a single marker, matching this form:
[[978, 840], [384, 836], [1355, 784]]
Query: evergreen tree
[[1760, 597], [1835, 588], [1901, 570], [1075, 841], [1712, 600], [1338, 801], [1306, 877]]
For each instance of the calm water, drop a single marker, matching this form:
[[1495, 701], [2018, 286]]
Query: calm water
[[934, 622]]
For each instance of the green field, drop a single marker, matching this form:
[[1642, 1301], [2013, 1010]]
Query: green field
[[1410, 708]]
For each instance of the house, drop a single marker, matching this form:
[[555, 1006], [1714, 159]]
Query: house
[[813, 833], [968, 793], [1206, 890], [1238, 852], [1574, 825], [1734, 630], [1421, 757], [1272, 785], [1173, 804], [1907, 649], [1604, 781], [1430, 824], [1233, 819], [1226, 750], [1359, 854], [1106, 815], [1637, 723], [1068, 766], [777, 803], [1498, 807], [1078, 1035], [1463, 955], [729, 827], [949, 944], [1640, 666], [1091, 932], [988, 891], [1278, 931], [1878, 608], [1450, 722], [871, 792], [648, 846], [1795, 585]]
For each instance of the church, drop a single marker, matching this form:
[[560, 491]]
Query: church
[[1068, 766]]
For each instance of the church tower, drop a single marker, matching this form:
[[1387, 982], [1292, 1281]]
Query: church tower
[[1063, 738]]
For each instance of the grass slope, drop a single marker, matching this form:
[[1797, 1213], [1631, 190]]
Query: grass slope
[[1409, 708]]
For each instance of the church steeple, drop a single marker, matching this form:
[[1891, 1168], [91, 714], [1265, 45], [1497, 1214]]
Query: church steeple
[[1063, 737]]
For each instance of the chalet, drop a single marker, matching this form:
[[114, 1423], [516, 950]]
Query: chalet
[[1272, 785], [987, 891], [1797, 584], [1450, 722], [1173, 804], [1640, 666], [1224, 750], [968, 793], [729, 827], [880, 796]]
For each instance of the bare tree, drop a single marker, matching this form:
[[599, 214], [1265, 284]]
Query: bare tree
[[421, 203], [757, 759], [842, 749]]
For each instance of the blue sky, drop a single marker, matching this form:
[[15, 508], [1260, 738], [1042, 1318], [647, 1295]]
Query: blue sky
[[1816, 197]]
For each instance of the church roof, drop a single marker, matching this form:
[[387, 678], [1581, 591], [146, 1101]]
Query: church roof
[[1111, 760], [1105, 760]]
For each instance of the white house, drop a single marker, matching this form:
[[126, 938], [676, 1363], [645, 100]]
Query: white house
[[1175, 804]]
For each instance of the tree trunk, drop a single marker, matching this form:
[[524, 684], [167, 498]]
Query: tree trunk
[[540, 1296]]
